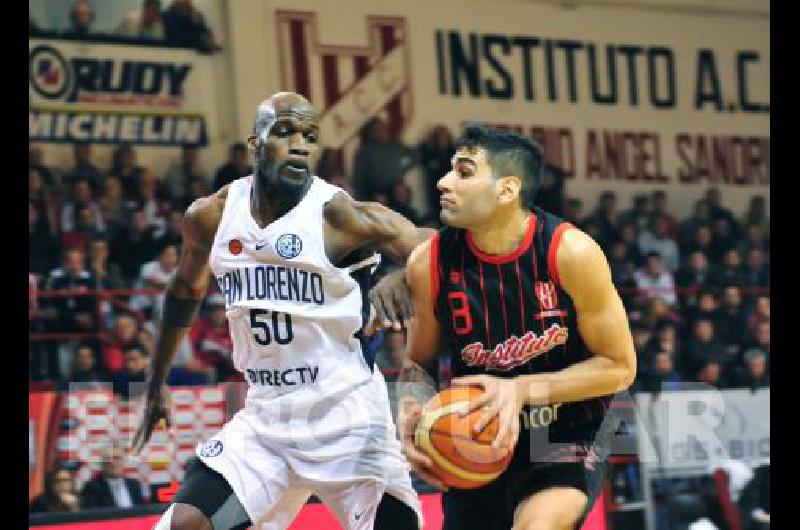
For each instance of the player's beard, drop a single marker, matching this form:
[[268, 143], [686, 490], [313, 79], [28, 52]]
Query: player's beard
[[279, 178]]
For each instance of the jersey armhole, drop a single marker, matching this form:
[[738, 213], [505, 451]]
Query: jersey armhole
[[434, 269], [555, 241]]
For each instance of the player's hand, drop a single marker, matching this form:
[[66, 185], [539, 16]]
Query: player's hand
[[407, 420], [391, 298], [155, 410], [500, 398]]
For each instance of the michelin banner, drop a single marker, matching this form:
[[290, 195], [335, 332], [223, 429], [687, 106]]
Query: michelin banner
[[111, 93]]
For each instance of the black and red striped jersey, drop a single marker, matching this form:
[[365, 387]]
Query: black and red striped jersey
[[508, 315]]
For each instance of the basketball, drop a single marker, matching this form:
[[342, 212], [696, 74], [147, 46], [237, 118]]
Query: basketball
[[461, 457]]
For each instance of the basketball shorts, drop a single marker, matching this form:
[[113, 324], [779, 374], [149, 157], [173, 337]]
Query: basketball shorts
[[343, 449], [492, 507]]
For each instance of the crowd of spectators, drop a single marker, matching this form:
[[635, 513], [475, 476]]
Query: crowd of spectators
[[180, 24]]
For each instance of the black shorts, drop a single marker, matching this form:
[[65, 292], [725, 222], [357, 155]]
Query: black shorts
[[209, 492], [492, 507]]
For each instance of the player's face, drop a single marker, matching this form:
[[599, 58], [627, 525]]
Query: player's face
[[288, 150], [468, 191]]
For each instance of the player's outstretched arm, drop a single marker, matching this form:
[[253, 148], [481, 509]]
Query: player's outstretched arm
[[358, 225], [416, 386], [602, 323], [182, 299]]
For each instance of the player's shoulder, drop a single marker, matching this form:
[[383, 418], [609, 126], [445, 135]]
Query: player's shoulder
[[202, 217], [419, 261]]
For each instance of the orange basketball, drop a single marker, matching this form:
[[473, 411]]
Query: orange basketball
[[461, 457]]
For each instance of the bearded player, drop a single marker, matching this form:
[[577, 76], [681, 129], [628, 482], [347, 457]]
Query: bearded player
[[527, 305], [291, 254]]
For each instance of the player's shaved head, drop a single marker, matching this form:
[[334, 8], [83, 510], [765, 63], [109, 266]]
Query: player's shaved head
[[289, 103]]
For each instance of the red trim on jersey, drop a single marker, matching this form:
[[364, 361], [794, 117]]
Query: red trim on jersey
[[485, 306], [503, 298], [508, 258], [435, 268], [551, 252], [521, 298]]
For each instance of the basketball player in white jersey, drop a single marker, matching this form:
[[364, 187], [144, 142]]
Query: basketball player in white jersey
[[291, 254]]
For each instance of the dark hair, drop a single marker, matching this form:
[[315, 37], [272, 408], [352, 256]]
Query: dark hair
[[508, 154]]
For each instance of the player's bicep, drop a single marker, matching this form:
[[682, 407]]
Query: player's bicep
[[423, 330], [193, 270]]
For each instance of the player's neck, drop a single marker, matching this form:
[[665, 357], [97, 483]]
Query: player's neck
[[267, 203], [503, 233]]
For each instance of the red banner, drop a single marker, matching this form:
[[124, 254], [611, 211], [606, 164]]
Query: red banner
[[41, 406]]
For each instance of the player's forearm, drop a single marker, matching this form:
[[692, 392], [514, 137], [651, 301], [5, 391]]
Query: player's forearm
[[594, 377], [406, 243]]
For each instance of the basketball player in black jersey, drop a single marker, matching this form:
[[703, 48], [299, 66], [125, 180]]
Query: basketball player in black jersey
[[527, 305]]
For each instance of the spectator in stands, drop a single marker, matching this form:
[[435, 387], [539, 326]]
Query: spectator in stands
[[147, 200], [710, 373], [628, 234], [666, 340], [85, 169], [694, 276], [84, 230], [71, 313], [732, 322], [754, 239], [144, 23], [42, 247], [732, 270], [50, 176], [380, 161], [185, 26], [550, 196], [573, 211], [130, 382], [106, 274], [198, 189], [181, 173], [605, 217], [211, 341], [723, 239], [639, 214], [662, 376], [237, 167], [60, 492], [81, 17], [81, 197], [435, 152], [657, 239], [400, 201], [84, 374], [706, 306], [718, 211], [762, 336], [754, 374], [112, 489], [703, 241], [113, 207], [687, 228], [703, 346], [134, 245], [654, 281], [661, 208], [125, 168], [759, 310], [330, 168], [757, 213], [622, 267], [172, 235], [125, 335], [156, 274]]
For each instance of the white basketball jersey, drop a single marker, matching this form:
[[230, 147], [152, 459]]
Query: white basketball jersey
[[293, 315]]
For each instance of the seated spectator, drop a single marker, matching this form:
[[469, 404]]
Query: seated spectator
[[172, 236], [757, 213], [703, 241], [85, 169], [573, 211], [754, 239], [211, 341], [628, 234], [147, 199], [106, 274], [144, 23], [761, 336], [605, 217], [755, 273], [114, 209], [42, 247], [723, 237], [125, 168], [662, 376], [718, 211], [130, 382], [660, 209], [758, 310], [687, 229], [50, 176], [710, 373], [124, 335], [732, 322], [180, 174], [657, 239], [435, 152], [84, 374], [695, 275], [156, 275], [71, 313], [654, 281], [81, 198], [754, 374], [42, 197], [400, 201], [60, 492], [111, 488], [731, 272], [703, 346], [380, 161], [664, 340], [706, 306], [84, 230], [622, 267], [639, 214], [235, 168], [134, 246], [185, 26], [81, 17]]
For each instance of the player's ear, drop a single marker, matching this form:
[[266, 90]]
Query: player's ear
[[508, 189]]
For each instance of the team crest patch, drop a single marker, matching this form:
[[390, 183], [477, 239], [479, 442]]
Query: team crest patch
[[289, 246], [211, 449]]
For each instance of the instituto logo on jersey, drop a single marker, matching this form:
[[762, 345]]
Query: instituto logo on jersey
[[515, 351], [289, 246]]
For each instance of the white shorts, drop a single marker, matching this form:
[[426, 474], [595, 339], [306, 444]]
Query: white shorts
[[344, 450]]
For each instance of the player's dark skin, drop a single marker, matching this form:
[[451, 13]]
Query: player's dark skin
[[285, 141]]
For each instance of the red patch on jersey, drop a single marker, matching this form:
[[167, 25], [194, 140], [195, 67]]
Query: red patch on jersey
[[235, 246]]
